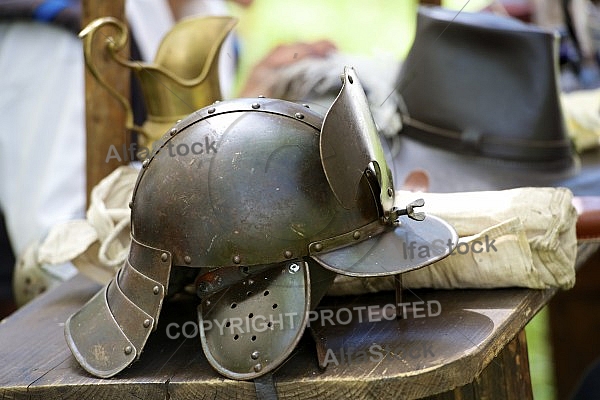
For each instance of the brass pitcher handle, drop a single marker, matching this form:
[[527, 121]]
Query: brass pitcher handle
[[113, 46]]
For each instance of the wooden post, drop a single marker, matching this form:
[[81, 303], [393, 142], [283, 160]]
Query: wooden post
[[105, 117]]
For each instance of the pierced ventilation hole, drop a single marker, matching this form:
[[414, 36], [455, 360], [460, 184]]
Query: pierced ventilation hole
[[274, 306], [228, 324], [250, 315], [350, 79], [270, 324], [266, 293], [233, 305], [248, 293], [245, 270], [236, 337], [253, 338]]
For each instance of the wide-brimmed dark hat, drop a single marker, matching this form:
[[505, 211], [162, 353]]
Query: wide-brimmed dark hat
[[480, 106]]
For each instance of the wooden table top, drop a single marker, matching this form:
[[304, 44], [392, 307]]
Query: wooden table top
[[370, 357]]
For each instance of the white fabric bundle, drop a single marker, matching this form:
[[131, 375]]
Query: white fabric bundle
[[98, 245], [525, 238]]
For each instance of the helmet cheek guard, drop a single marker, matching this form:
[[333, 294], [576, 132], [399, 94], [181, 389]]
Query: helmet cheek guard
[[274, 200], [251, 327]]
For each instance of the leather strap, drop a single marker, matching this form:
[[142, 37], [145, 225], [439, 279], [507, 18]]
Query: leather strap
[[265, 387], [553, 154], [588, 221]]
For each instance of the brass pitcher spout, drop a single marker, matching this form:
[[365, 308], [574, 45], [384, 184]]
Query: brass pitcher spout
[[183, 77]]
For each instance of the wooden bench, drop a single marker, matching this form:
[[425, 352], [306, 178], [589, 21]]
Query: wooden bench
[[474, 348]]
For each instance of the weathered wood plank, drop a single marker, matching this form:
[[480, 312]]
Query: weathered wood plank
[[417, 356], [574, 327], [31, 339], [105, 117], [516, 361]]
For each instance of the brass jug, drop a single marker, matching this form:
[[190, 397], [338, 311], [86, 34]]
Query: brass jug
[[183, 77]]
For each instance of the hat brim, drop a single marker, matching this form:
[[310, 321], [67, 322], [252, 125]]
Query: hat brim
[[412, 245], [453, 172]]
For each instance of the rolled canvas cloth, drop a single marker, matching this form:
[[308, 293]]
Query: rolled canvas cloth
[[521, 237]]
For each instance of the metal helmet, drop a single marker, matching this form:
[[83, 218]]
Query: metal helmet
[[265, 200]]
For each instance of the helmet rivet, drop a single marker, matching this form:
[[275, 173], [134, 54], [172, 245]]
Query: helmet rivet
[[294, 268], [356, 235], [237, 259], [254, 355], [131, 204], [390, 192], [145, 163], [256, 106], [146, 323], [128, 349], [261, 96], [318, 247], [211, 110], [368, 172], [187, 259], [178, 121], [287, 254], [299, 115], [164, 257], [173, 131], [257, 367], [207, 303], [156, 290], [306, 105]]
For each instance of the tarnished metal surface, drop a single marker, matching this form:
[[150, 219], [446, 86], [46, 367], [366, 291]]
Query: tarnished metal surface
[[258, 197], [144, 292], [412, 245], [256, 324], [135, 324], [97, 341], [151, 262], [350, 142], [110, 331], [221, 278]]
